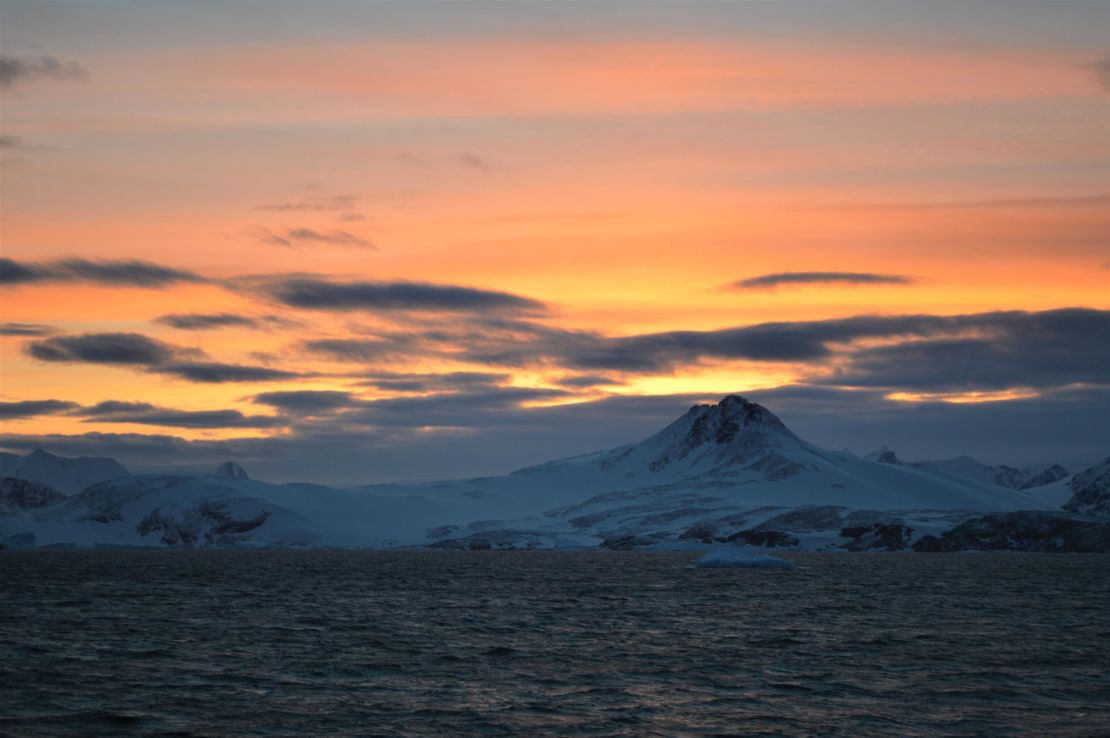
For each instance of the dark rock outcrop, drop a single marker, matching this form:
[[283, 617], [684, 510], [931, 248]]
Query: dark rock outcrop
[[763, 538], [17, 495], [1052, 474], [231, 470], [893, 536], [1041, 532]]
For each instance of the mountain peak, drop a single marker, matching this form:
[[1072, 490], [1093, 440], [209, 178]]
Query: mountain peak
[[231, 470], [883, 455]]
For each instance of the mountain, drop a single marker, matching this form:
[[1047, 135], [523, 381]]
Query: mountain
[[883, 455], [969, 468], [68, 476], [231, 470], [730, 472], [1091, 491]]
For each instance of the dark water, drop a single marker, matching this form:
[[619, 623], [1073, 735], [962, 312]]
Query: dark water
[[536, 644]]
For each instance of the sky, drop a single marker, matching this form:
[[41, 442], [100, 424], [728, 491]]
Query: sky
[[351, 242]]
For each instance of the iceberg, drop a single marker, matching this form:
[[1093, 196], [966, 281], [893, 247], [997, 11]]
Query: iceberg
[[741, 558]]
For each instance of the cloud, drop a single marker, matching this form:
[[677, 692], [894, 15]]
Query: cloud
[[129, 273], [149, 354], [205, 321], [296, 237], [306, 402], [212, 372], [17, 70], [10, 142], [146, 414], [447, 382], [103, 348], [25, 329], [769, 281], [317, 294], [1048, 349], [33, 408], [1101, 71]]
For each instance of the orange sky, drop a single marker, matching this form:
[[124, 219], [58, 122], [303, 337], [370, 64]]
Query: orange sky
[[624, 179]]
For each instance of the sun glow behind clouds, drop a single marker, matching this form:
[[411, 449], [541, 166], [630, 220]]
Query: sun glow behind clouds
[[964, 398]]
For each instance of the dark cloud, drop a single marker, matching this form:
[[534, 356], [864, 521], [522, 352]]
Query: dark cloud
[[130, 273], [448, 382], [294, 237], [1101, 70], [103, 348], [17, 70], [32, 408], [10, 142], [212, 372], [984, 349], [1048, 349], [588, 380], [317, 294], [205, 321], [306, 402], [768, 281], [25, 329], [139, 351], [146, 414]]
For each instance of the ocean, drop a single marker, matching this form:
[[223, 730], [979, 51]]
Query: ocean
[[598, 643]]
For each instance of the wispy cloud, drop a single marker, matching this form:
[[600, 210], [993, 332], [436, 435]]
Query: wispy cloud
[[17, 70], [120, 273], [300, 237], [25, 329], [317, 294], [142, 352], [771, 281], [34, 408]]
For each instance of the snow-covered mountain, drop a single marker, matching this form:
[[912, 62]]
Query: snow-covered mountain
[[68, 476], [1091, 491], [969, 468], [726, 472]]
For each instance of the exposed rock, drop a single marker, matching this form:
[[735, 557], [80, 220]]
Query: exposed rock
[[806, 519], [883, 455], [1091, 491], [1052, 474], [23, 494], [231, 470], [894, 536], [626, 543], [1041, 532], [208, 523], [764, 538]]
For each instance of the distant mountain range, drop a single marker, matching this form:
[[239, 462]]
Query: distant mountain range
[[730, 473]]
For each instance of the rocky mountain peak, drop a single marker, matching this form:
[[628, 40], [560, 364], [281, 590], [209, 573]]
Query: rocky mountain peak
[[231, 470], [883, 455]]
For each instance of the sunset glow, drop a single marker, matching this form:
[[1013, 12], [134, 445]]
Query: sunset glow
[[366, 199]]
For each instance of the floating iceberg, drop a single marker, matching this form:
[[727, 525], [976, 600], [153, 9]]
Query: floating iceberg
[[741, 558]]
